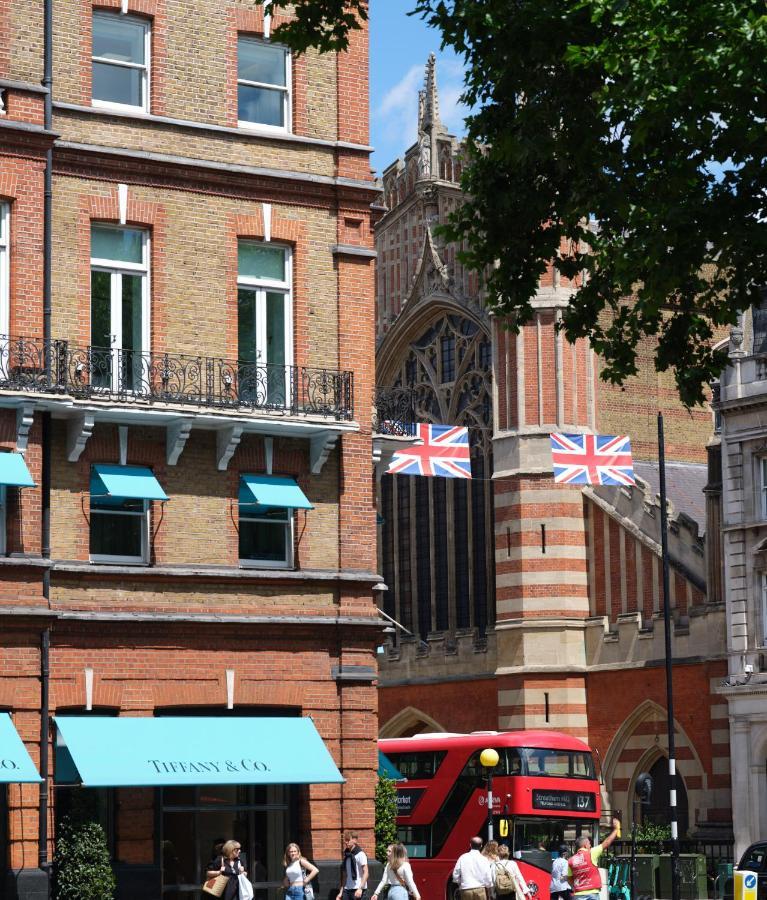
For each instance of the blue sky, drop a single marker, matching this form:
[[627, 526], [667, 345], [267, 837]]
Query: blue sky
[[399, 47]]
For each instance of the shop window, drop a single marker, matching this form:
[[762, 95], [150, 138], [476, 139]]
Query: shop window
[[195, 819], [120, 61], [264, 323], [119, 307], [5, 266], [263, 84]]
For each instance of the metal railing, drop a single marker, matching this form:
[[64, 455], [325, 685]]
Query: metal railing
[[395, 411], [716, 851], [131, 376]]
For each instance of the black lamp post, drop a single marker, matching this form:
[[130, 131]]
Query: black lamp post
[[489, 759]]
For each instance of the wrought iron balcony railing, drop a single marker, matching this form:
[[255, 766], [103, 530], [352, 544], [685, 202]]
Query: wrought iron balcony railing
[[395, 411], [129, 376]]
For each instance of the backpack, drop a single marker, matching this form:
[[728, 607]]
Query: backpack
[[504, 883]]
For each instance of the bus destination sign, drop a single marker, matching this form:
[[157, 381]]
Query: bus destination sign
[[571, 801]]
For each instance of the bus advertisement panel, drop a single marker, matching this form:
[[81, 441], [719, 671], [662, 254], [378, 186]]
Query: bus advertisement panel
[[545, 794]]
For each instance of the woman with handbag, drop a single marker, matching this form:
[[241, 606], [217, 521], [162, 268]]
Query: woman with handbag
[[398, 875], [227, 866], [299, 873]]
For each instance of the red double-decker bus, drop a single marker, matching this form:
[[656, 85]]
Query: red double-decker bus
[[545, 793]]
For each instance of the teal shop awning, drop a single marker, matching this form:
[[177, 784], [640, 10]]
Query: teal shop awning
[[181, 750], [127, 482], [386, 767], [273, 490], [15, 763], [14, 471]]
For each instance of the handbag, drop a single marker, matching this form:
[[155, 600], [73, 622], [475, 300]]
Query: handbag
[[246, 888], [215, 886]]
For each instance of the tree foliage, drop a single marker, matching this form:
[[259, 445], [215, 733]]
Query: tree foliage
[[386, 815], [83, 867], [323, 24], [646, 117]]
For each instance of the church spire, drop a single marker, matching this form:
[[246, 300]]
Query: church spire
[[428, 100]]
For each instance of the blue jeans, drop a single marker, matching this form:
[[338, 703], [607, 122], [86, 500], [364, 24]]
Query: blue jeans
[[295, 892], [397, 892]]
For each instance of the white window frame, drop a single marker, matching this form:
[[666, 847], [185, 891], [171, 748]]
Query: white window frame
[[262, 286], [5, 267], [143, 559], [287, 563], [146, 67], [287, 90], [116, 270]]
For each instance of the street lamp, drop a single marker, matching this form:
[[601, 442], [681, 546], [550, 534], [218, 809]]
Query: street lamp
[[489, 759]]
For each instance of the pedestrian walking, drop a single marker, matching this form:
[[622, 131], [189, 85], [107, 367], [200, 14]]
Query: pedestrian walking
[[354, 869], [472, 873], [398, 874], [559, 889], [299, 874], [583, 866], [507, 877], [229, 865]]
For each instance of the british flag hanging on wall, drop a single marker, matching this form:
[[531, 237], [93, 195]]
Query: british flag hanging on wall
[[442, 452], [592, 459]]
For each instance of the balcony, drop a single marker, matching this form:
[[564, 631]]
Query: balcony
[[35, 366], [395, 414]]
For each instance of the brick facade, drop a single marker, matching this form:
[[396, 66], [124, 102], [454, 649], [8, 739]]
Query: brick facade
[[299, 639]]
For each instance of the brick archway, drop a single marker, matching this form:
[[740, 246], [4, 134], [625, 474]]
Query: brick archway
[[407, 722]]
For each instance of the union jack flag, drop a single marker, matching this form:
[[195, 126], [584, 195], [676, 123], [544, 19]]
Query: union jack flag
[[443, 451], [592, 459]]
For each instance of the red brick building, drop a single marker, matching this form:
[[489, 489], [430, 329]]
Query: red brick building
[[540, 602], [190, 312]]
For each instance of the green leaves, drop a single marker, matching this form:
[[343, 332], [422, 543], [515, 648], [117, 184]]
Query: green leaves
[[322, 24], [648, 116], [83, 868], [386, 815]]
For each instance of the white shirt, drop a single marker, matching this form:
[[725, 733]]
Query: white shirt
[[472, 871], [405, 872], [353, 884], [295, 872], [559, 880]]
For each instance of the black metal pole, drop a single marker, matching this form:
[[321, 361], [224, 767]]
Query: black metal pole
[[45, 500], [633, 873], [489, 804], [669, 674]]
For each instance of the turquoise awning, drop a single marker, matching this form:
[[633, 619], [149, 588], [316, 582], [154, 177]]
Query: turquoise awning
[[14, 471], [181, 750], [15, 763], [273, 490], [386, 767], [127, 482]]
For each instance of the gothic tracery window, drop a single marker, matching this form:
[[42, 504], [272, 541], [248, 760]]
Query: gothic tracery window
[[437, 552]]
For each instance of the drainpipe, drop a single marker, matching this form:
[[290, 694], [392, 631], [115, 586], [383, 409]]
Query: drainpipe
[[45, 537]]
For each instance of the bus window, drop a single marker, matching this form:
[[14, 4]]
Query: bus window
[[557, 763], [536, 839], [417, 765], [510, 763], [458, 796], [416, 840]]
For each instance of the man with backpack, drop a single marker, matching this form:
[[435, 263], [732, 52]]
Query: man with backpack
[[507, 877]]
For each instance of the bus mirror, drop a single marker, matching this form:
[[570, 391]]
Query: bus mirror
[[503, 827]]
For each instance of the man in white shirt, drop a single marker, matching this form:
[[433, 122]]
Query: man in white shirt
[[472, 873], [354, 869]]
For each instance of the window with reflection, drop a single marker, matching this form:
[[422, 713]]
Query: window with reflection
[[120, 61], [263, 84]]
